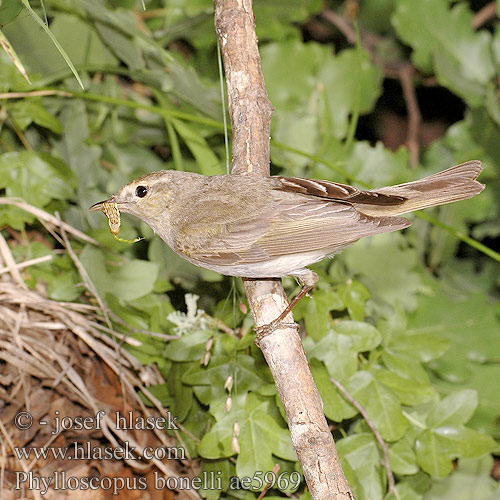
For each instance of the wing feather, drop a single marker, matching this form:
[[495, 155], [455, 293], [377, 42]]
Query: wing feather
[[298, 224]]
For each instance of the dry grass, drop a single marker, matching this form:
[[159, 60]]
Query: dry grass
[[61, 359]]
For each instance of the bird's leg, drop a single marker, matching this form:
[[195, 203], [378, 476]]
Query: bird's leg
[[309, 279]]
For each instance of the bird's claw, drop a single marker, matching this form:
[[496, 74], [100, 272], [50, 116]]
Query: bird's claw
[[265, 330]]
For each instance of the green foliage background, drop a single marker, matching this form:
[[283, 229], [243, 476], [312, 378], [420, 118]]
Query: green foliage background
[[408, 323]]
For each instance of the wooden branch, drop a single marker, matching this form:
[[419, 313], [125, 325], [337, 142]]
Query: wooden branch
[[250, 112], [414, 117], [483, 15]]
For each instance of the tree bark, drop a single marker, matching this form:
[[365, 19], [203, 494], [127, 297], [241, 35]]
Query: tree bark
[[250, 112]]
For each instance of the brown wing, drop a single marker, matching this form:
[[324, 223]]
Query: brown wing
[[290, 225], [335, 191]]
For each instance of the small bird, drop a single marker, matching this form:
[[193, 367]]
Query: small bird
[[269, 227]]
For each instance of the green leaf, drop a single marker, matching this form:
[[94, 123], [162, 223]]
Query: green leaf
[[457, 408], [338, 354], [322, 82], [354, 295], [81, 41], [381, 405], [402, 458], [260, 437], [406, 366], [182, 393], [207, 161], [385, 265], [461, 441], [363, 336], [189, 347], [377, 166], [430, 455], [471, 480], [9, 10], [281, 18], [59, 47], [404, 492], [208, 381], [422, 346], [316, 312], [26, 111], [409, 392], [334, 405], [472, 327], [121, 44], [361, 452], [131, 280], [436, 448], [35, 178], [222, 469], [444, 40], [339, 349]]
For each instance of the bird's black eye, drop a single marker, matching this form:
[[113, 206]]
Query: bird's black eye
[[141, 191]]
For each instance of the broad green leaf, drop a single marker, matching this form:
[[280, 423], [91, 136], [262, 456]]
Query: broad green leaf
[[208, 381], [281, 18], [471, 480], [25, 112], [129, 281], [207, 161], [430, 455], [385, 264], [444, 40], [54, 40], [402, 458], [421, 346], [189, 347], [354, 295], [381, 405], [334, 405], [404, 365], [409, 392], [338, 354], [461, 441], [65, 287], [316, 86], [81, 41], [9, 10], [363, 456], [182, 394], [472, 327], [404, 492], [316, 312], [260, 437], [363, 336], [436, 448], [377, 166], [217, 469], [457, 408], [121, 44], [35, 178], [339, 348]]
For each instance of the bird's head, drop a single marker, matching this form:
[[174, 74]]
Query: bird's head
[[147, 197]]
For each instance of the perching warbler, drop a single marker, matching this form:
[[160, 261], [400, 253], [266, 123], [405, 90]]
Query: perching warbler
[[269, 227]]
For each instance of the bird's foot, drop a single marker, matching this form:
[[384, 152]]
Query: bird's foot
[[265, 330]]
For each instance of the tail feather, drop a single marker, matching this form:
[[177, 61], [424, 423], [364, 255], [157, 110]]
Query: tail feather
[[454, 184]]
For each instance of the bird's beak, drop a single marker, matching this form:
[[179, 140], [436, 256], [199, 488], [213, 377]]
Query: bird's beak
[[98, 207]]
